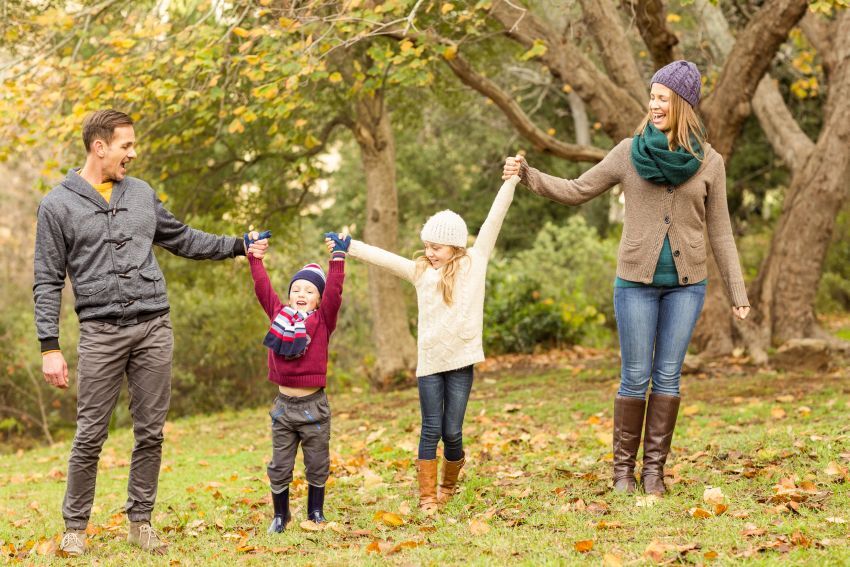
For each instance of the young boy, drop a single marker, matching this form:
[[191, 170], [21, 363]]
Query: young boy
[[298, 358]]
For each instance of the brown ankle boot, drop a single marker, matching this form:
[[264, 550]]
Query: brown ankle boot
[[448, 486], [628, 425], [661, 413], [427, 476]]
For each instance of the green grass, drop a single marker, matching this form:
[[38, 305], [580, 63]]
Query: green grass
[[536, 483]]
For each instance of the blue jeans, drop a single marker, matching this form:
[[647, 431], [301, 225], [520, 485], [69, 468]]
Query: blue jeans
[[655, 326], [442, 399]]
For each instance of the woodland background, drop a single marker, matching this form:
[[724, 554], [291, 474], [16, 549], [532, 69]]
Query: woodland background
[[307, 116]]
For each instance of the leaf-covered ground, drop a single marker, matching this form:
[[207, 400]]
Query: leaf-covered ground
[[759, 476]]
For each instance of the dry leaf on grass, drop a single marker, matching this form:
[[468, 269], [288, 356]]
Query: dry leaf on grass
[[478, 527], [583, 546], [713, 495]]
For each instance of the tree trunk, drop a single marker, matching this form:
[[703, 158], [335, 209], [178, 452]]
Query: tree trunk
[[395, 348], [789, 277]]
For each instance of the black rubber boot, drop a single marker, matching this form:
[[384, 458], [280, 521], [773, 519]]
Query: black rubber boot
[[315, 503], [281, 512]]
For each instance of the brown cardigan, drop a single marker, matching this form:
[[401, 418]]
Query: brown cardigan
[[652, 211]]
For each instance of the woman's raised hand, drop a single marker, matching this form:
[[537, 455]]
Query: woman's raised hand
[[512, 167]]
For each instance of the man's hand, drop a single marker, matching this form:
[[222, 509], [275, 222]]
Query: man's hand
[[55, 369], [258, 247]]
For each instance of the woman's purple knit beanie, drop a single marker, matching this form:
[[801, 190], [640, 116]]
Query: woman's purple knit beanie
[[681, 77]]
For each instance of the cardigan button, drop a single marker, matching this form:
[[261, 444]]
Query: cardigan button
[[676, 253], [667, 219], [685, 279]]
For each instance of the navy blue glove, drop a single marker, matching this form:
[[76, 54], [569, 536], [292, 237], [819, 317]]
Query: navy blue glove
[[248, 242], [340, 244]]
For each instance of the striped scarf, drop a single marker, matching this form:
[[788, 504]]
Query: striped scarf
[[287, 336]]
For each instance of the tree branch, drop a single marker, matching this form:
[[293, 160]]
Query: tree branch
[[612, 105], [517, 117], [651, 19], [729, 103], [786, 137], [613, 44]]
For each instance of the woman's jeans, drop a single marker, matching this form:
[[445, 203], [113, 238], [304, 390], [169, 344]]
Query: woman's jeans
[[655, 326], [442, 399]]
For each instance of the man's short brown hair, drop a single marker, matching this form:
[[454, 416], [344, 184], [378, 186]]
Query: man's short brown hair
[[102, 124]]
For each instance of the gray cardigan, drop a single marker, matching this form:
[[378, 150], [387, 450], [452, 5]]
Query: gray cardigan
[[107, 250]]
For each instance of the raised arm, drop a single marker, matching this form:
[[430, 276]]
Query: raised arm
[[722, 239], [486, 240], [263, 288], [332, 297], [182, 240], [593, 182], [393, 263]]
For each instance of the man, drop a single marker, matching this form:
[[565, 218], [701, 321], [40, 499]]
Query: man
[[99, 226]]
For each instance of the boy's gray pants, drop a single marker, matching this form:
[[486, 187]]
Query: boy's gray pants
[[306, 420], [106, 353]]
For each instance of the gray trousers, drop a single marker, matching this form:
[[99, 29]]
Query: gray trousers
[[305, 420], [107, 353]]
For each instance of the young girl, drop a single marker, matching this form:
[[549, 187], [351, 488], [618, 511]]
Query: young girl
[[449, 282], [675, 189], [298, 358]]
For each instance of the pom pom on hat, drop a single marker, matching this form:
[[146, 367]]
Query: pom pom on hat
[[445, 227]]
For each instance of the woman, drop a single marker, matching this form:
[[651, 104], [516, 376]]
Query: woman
[[675, 188]]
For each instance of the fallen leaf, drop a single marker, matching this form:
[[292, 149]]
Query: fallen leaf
[[388, 519], [477, 527], [611, 560], [690, 410], [311, 526], [647, 501], [777, 413], [713, 495], [836, 520], [409, 544], [699, 513], [719, 509], [583, 546]]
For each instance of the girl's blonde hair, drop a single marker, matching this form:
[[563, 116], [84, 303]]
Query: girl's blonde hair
[[685, 126], [448, 273]]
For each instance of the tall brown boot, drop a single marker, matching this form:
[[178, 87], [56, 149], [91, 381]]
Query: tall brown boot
[[661, 413], [427, 476], [448, 486], [628, 425]]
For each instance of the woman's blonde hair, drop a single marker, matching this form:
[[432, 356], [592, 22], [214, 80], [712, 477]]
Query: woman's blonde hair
[[448, 273], [686, 128]]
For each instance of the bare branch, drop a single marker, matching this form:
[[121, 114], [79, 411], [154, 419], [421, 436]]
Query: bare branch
[[651, 19], [541, 140], [729, 103], [613, 44], [615, 108]]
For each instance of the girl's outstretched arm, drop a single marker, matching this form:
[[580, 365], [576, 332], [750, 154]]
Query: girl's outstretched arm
[[393, 263], [486, 240]]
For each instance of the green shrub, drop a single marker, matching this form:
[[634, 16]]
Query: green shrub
[[556, 293]]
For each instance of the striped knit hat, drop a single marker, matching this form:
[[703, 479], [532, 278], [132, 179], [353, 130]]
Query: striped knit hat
[[445, 227], [312, 273]]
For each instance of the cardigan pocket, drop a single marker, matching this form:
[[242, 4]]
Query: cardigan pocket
[[630, 250], [698, 250]]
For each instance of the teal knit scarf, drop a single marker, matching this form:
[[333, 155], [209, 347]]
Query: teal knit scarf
[[654, 161]]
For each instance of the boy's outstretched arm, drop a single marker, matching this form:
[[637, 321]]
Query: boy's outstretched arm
[[332, 298]]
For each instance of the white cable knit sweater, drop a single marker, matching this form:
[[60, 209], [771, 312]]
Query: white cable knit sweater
[[449, 335]]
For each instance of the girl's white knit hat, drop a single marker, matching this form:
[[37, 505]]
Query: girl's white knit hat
[[445, 227]]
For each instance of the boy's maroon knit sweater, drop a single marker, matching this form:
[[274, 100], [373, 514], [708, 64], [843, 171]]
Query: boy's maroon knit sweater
[[311, 369]]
